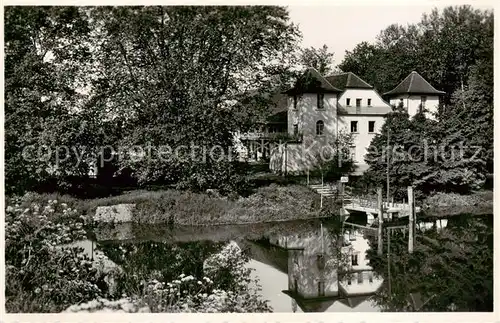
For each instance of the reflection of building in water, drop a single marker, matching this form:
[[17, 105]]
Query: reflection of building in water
[[315, 264], [359, 278]]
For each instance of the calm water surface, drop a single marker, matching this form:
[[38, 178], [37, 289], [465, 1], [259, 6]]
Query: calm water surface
[[320, 266]]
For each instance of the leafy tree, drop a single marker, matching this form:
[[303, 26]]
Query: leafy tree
[[453, 50], [319, 58], [442, 47], [87, 77], [335, 159], [178, 73], [46, 62]]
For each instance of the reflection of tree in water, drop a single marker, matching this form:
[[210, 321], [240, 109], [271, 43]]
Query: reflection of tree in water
[[450, 269], [159, 260]]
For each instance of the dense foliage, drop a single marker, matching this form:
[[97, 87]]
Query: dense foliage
[[451, 269], [140, 82], [319, 58], [189, 277], [41, 275], [453, 50], [46, 273]]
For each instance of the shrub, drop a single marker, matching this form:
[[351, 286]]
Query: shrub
[[40, 275]]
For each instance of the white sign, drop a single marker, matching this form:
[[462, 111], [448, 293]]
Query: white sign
[[344, 179]]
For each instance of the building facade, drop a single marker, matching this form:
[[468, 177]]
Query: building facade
[[319, 108], [415, 93]]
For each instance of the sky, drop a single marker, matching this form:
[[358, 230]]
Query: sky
[[342, 27]]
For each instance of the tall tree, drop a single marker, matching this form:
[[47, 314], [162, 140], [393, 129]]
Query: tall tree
[[319, 58], [178, 73], [46, 63]]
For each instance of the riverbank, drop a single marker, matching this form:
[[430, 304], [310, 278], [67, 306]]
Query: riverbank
[[48, 270], [448, 204], [267, 204]]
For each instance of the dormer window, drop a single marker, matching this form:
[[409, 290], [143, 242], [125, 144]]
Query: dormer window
[[358, 103], [369, 102], [348, 102], [321, 99]]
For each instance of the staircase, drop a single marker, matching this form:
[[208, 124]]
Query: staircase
[[324, 190]]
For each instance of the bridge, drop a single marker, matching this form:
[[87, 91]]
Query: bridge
[[368, 205]]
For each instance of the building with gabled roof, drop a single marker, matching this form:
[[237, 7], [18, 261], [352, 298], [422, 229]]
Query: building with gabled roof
[[414, 93], [319, 108]]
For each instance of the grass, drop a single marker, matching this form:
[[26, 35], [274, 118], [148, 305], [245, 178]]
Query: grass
[[445, 204], [267, 203]]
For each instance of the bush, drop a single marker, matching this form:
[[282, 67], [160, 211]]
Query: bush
[[40, 275], [224, 285]]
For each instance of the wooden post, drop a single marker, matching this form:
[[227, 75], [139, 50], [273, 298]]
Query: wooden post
[[380, 221], [321, 201], [389, 232], [411, 224]]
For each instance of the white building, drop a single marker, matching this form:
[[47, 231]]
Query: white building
[[413, 93], [318, 109]]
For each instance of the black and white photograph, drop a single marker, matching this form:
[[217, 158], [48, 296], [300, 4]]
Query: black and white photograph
[[248, 158]]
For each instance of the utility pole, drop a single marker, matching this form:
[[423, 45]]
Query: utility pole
[[411, 219], [380, 221], [388, 161], [388, 258]]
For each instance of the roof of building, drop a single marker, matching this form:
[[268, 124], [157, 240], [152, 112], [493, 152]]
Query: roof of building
[[312, 81], [348, 80], [414, 83], [355, 301]]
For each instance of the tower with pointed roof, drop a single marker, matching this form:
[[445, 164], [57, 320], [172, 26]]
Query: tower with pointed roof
[[319, 108], [414, 93], [312, 107]]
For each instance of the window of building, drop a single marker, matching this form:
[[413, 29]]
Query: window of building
[[423, 99], [349, 280], [354, 126], [360, 278], [321, 100], [352, 153], [358, 103], [295, 129], [348, 102], [295, 100], [321, 288], [371, 126], [354, 259], [320, 261], [401, 103], [320, 127], [369, 103]]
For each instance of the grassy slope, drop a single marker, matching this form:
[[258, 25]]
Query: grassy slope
[[269, 203]]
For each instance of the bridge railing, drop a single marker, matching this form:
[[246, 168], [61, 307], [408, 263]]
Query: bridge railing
[[372, 203]]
